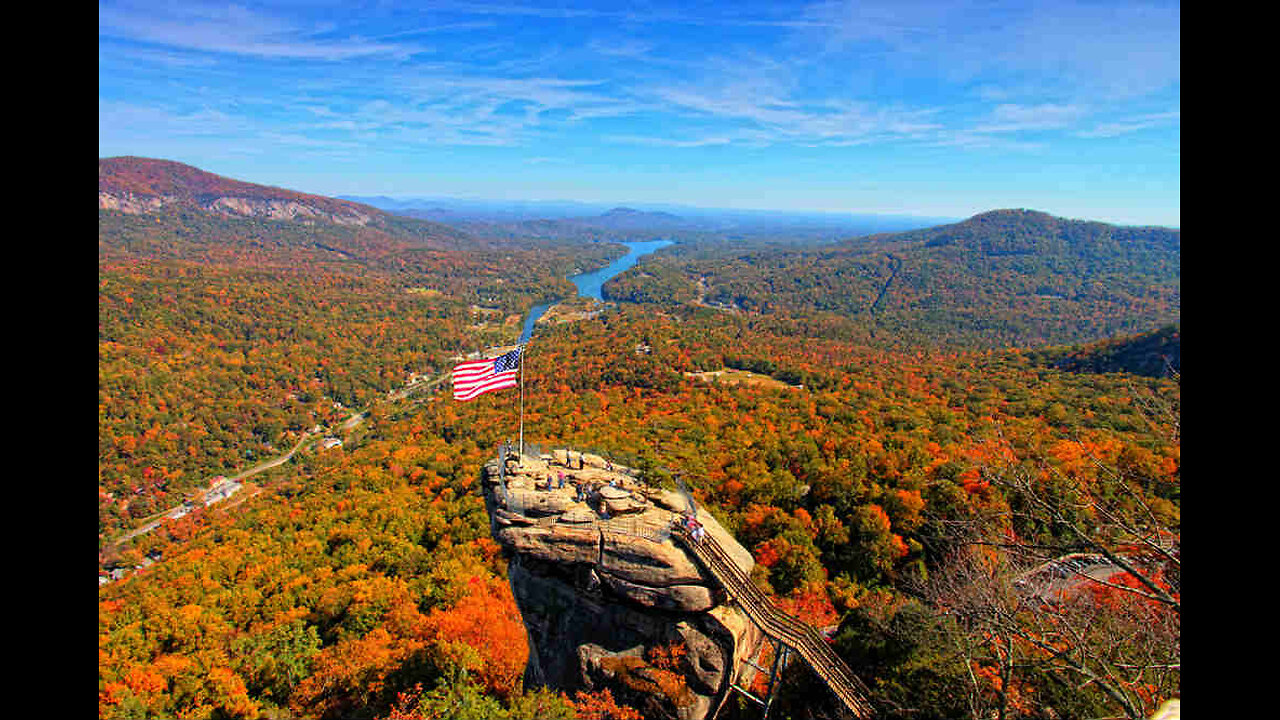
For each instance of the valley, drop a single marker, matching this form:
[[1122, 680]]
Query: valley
[[895, 426]]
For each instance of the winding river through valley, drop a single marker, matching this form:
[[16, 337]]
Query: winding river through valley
[[589, 283]]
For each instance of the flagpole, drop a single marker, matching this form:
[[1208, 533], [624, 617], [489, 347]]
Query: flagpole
[[522, 404]]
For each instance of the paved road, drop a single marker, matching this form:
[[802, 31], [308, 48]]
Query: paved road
[[348, 424], [1054, 580], [267, 465]]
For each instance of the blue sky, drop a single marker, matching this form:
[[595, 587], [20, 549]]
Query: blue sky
[[942, 108]]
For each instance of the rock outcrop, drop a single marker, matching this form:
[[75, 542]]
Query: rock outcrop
[[606, 593], [144, 185], [268, 208]]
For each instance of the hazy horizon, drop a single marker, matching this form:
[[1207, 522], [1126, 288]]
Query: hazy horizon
[[589, 209]]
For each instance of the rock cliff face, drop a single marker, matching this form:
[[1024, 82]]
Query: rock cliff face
[[271, 209], [606, 593], [144, 185]]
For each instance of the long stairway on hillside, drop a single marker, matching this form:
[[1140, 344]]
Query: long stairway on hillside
[[800, 637]]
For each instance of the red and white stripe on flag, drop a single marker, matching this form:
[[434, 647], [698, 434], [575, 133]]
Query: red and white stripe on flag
[[476, 377]]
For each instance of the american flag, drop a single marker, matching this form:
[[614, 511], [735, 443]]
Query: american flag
[[476, 377]]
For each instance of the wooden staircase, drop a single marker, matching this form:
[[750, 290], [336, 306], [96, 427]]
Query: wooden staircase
[[799, 637]]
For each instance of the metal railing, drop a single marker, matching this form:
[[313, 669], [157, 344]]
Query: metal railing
[[614, 525], [633, 527], [617, 459], [514, 502], [797, 635]]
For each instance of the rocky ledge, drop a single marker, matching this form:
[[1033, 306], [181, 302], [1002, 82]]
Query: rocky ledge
[[268, 208], [606, 593]]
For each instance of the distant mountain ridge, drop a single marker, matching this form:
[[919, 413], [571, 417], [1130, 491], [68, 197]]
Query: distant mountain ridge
[[544, 218], [135, 185], [630, 217], [195, 210], [620, 223], [1031, 232], [998, 279]]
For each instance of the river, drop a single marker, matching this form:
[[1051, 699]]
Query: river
[[589, 283]]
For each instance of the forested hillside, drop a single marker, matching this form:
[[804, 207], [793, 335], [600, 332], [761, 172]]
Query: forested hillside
[[1000, 279], [1157, 353], [222, 338], [902, 492]]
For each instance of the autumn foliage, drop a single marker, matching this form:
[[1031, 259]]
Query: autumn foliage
[[483, 634], [363, 582]]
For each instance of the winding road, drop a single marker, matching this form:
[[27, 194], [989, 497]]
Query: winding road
[[242, 475]]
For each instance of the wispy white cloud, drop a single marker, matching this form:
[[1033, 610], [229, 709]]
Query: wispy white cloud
[[310, 142], [1131, 125], [142, 120], [772, 92], [728, 15], [235, 30], [466, 110], [990, 77], [157, 57], [1012, 117], [438, 28], [1111, 51], [764, 101], [966, 139], [1122, 49], [624, 47], [673, 142]]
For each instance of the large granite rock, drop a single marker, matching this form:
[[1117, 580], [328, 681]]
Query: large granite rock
[[601, 586]]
